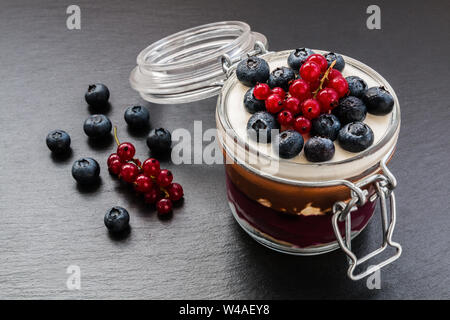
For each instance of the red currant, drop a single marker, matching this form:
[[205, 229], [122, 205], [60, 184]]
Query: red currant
[[274, 103], [261, 91], [334, 73], [328, 99], [165, 178], [142, 183], [302, 125], [151, 167], [340, 85], [164, 206], [285, 118], [115, 166], [126, 151], [111, 158], [153, 195], [279, 91], [129, 172], [300, 89], [310, 71], [314, 85], [320, 60], [292, 104], [175, 191], [311, 109]]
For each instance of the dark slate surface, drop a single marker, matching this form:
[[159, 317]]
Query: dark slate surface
[[48, 223]]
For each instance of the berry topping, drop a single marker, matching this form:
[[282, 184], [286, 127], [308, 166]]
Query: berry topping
[[129, 172], [164, 206], [117, 219], [292, 105], [350, 109], [355, 137], [175, 191], [298, 57], [86, 171], [165, 178], [340, 63], [274, 103], [252, 70], [310, 108], [260, 125], [153, 195], [137, 117], [320, 60], [340, 85], [279, 91], [261, 91], [356, 86], [318, 149], [328, 99], [289, 143], [300, 89], [58, 141], [97, 95], [285, 118], [252, 104], [378, 101], [302, 125], [97, 126], [151, 167], [326, 126], [310, 71], [126, 151], [159, 140], [142, 183], [281, 77]]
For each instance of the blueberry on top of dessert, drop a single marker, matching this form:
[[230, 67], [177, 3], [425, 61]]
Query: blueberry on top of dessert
[[289, 143], [327, 126], [355, 137], [378, 101], [350, 109], [281, 77], [252, 70], [260, 125], [319, 149], [356, 86], [298, 57], [340, 63], [252, 104]]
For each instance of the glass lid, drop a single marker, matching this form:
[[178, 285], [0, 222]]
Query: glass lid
[[187, 66]]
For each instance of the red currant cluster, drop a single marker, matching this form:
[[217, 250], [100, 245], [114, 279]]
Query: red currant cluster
[[147, 178], [317, 91]]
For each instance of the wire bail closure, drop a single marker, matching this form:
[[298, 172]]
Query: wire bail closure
[[229, 64], [385, 183]]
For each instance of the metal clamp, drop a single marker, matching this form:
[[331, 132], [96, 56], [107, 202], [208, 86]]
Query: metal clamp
[[229, 65], [384, 183]]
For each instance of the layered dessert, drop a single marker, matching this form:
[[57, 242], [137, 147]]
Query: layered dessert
[[293, 123]]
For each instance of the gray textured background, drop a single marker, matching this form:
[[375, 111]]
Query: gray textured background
[[47, 223]]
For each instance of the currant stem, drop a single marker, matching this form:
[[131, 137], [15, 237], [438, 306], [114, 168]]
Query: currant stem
[[325, 76], [115, 135]]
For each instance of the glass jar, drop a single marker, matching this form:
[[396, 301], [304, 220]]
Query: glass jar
[[290, 206]]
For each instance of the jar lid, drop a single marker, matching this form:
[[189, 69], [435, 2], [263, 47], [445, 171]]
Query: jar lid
[[187, 66]]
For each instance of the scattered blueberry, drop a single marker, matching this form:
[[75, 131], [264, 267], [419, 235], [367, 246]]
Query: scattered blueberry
[[289, 143], [318, 149], [117, 219], [252, 70], [281, 77], [58, 141], [97, 95], [355, 137], [259, 126], [326, 126], [298, 57], [340, 63], [97, 126], [350, 109], [159, 140], [137, 117], [86, 171], [356, 86], [378, 101], [252, 104]]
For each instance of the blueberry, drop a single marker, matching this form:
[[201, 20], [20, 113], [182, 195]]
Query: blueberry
[[252, 104], [137, 117], [159, 140], [378, 101], [350, 109], [298, 57], [252, 70], [280, 77], [97, 126], [117, 219], [326, 126], [355, 137], [86, 171], [340, 63], [259, 126], [97, 95], [318, 149], [58, 141], [289, 143], [356, 86]]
